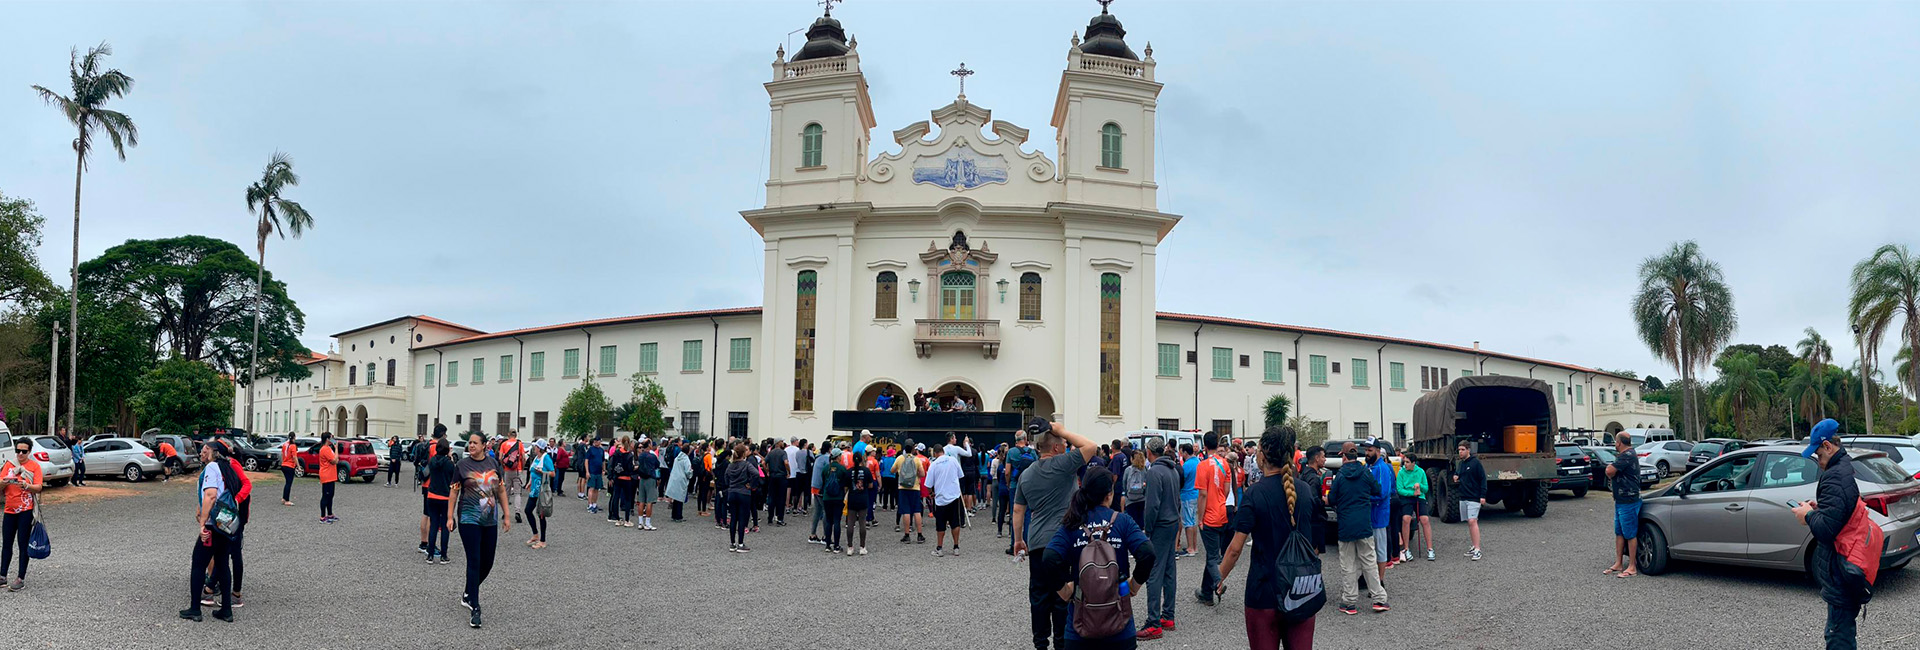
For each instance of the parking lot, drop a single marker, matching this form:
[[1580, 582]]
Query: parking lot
[[120, 555]]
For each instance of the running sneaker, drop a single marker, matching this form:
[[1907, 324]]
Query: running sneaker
[[423, 548], [814, 540], [920, 539], [896, 528], [744, 549], [443, 559], [906, 539], [955, 552], [650, 527], [1166, 624], [863, 550], [849, 552], [1475, 554], [429, 558], [1429, 555], [1349, 609], [237, 601], [939, 552], [733, 548], [1379, 608], [464, 603], [1406, 555], [475, 620], [1148, 633]]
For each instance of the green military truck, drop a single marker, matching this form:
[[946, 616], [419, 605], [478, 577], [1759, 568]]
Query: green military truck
[[1477, 410]]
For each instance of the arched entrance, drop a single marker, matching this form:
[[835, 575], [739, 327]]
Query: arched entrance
[[360, 421], [945, 395], [1028, 400], [1614, 427], [902, 399], [339, 421]]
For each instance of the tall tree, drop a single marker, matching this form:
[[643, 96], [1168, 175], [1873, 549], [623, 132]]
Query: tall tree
[[1886, 288], [86, 111], [277, 216], [1274, 412], [1744, 386], [1810, 391], [1910, 382], [116, 339], [649, 414], [1817, 352], [200, 295], [180, 396], [585, 411], [21, 280], [1684, 312]]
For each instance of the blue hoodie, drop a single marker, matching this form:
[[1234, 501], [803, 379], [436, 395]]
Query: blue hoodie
[[1382, 507]]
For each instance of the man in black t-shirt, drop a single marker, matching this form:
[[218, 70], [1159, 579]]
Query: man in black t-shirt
[[1624, 475]]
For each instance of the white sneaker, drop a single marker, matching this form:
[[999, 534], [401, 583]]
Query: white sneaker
[[650, 527], [1475, 554], [849, 551], [863, 550]]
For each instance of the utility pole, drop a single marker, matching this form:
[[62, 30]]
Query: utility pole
[[53, 378]]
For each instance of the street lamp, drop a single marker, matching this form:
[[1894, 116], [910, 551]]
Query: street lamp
[[1866, 381], [913, 289]]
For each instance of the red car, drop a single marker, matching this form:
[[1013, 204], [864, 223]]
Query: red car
[[356, 458]]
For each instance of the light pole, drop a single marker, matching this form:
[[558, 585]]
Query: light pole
[[53, 378], [1866, 380]]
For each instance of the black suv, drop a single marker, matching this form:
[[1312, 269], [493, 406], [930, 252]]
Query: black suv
[[1576, 470], [1710, 449]]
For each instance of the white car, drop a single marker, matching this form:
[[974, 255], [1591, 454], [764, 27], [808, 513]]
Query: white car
[[123, 457], [1665, 457], [1902, 450], [56, 461]]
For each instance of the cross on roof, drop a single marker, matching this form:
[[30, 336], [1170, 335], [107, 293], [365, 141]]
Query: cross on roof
[[828, 5], [1103, 5], [962, 72]]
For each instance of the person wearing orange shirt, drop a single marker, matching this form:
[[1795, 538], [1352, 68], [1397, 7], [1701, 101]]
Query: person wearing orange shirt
[[289, 455], [169, 459], [1214, 480], [22, 478], [329, 461]]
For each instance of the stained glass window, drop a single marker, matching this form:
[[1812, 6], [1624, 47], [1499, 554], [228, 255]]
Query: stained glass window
[[1109, 344], [886, 295], [1029, 296], [808, 290]]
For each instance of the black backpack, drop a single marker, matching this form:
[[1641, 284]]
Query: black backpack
[[1299, 570]]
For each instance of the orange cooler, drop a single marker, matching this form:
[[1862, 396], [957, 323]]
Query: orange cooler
[[1520, 439]]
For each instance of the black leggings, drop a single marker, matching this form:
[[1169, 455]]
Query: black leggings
[[738, 504], [677, 508], [15, 528], [326, 499], [534, 521], [479, 542], [286, 486], [832, 508], [437, 532], [216, 553], [393, 472]]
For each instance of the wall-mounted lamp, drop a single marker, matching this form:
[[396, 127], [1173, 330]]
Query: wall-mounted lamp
[[1003, 289], [913, 289]]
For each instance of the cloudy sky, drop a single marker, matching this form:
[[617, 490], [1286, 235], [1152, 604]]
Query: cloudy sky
[[1442, 171]]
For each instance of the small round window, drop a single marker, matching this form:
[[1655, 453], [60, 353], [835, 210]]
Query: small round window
[[418, 338], [390, 339]]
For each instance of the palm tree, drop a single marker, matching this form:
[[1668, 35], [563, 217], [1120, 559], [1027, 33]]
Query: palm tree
[[1743, 386], [1886, 286], [1684, 312], [1274, 412], [263, 198], [1809, 391], [1817, 352], [1903, 372], [85, 111]]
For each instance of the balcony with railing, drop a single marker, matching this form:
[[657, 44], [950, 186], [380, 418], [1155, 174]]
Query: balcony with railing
[[1629, 408], [783, 70], [928, 333], [1093, 63], [376, 391]]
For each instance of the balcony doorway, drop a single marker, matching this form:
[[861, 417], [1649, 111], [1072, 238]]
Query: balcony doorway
[[956, 295]]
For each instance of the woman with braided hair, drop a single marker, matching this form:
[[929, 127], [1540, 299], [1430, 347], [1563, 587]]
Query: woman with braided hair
[[1272, 510]]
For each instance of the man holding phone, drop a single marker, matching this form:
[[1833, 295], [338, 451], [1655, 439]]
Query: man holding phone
[[1833, 504], [1624, 475]]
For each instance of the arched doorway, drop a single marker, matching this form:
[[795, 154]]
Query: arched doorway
[[902, 400], [1614, 427], [339, 421], [360, 421], [945, 395], [1028, 400]]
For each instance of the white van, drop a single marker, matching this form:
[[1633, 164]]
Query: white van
[[1174, 439], [1643, 436]]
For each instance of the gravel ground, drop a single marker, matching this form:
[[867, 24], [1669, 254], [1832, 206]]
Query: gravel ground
[[118, 576]]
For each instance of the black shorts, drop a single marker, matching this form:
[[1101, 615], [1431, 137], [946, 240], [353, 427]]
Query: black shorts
[[426, 506], [947, 516], [967, 483]]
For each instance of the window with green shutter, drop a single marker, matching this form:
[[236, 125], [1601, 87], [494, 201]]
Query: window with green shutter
[[430, 376], [1317, 369], [649, 357], [570, 363], [1466, 373], [740, 354], [1397, 375], [537, 365], [506, 367], [1580, 395], [1223, 363], [1560, 388], [1169, 359], [479, 371], [609, 359], [1271, 367], [1110, 139], [690, 355], [453, 373], [1359, 373]]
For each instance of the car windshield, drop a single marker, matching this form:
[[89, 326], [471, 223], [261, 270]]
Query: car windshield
[[1708, 448], [1879, 469], [1568, 451], [1606, 455], [51, 442]]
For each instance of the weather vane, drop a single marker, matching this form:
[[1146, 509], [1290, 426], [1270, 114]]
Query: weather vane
[[828, 4], [1103, 5], [962, 72]]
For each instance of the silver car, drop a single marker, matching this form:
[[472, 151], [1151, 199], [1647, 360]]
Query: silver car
[[1738, 509], [123, 457], [56, 460]]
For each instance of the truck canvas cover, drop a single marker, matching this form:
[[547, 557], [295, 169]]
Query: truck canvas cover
[[1489, 400]]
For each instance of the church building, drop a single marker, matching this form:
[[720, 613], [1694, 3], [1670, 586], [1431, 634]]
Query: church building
[[965, 266]]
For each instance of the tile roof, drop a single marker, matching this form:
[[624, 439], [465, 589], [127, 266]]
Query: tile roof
[[1218, 320], [599, 322], [428, 319]]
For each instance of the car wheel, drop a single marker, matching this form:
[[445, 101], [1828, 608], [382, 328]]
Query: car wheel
[[1580, 493], [1537, 505], [299, 470], [1663, 469], [1652, 555], [133, 473], [252, 464]]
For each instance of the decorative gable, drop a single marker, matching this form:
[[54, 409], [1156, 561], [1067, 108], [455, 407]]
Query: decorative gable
[[961, 158]]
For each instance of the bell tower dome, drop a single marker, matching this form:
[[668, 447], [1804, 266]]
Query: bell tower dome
[[1103, 119], [821, 119]]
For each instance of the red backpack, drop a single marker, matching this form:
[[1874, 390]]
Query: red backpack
[[1100, 609], [1858, 546]]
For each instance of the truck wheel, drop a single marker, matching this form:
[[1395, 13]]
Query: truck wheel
[[1652, 554], [1449, 507], [1537, 505]]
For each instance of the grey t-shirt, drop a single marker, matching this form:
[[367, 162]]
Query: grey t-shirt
[[1045, 488]]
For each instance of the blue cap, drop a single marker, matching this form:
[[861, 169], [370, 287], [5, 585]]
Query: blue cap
[[1826, 430]]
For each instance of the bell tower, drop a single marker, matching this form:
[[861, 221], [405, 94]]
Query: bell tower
[[821, 119], [1103, 118]]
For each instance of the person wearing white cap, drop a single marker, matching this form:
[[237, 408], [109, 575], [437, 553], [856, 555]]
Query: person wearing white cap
[[540, 467]]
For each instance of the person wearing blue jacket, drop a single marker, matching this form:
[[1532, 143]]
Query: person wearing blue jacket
[[1382, 502], [1352, 495]]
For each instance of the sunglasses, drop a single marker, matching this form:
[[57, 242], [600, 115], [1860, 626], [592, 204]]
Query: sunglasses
[[23, 450]]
